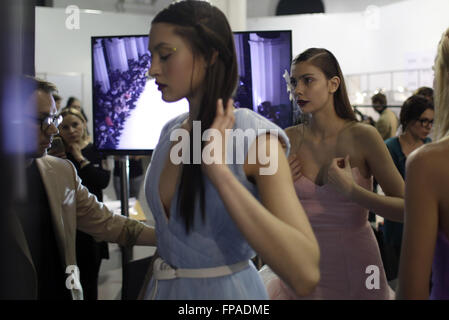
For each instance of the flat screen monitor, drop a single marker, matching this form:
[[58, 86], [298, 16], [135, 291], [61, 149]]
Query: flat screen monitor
[[128, 110]]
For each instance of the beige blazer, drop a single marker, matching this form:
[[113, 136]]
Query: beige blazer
[[73, 207], [387, 125]]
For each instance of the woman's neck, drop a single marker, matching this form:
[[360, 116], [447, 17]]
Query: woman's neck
[[82, 143], [409, 142], [325, 123], [410, 139]]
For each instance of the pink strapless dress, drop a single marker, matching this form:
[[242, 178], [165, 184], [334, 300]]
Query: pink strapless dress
[[347, 246]]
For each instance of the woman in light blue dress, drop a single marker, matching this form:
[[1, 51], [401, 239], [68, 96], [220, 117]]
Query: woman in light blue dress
[[211, 217]]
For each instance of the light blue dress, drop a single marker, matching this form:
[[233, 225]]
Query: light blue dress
[[215, 242]]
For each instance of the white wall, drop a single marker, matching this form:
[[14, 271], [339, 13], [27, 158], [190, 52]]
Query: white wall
[[257, 8], [266, 8], [339, 6], [235, 12], [400, 36], [151, 7], [405, 28], [60, 50], [261, 8]]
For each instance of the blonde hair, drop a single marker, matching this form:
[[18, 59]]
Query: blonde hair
[[75, 112], [441, 93]]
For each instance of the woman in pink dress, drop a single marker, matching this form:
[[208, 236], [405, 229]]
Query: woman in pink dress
[[333, 161]]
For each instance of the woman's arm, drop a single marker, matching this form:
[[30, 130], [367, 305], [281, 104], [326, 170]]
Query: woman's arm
[[378, 159], [147, 237], [277, 228], [420, 227]]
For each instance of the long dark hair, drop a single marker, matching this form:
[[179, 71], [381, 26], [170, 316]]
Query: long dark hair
[[328, 64], [206, 29]]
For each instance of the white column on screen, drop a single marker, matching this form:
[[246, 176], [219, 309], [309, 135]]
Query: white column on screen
[[266, 69], [100, 71], [239, 45], [258, 69], [141, 49], [131, 49], [117, 54]]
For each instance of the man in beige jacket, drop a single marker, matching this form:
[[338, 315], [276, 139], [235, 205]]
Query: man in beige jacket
[[387, 124], [44, 264]]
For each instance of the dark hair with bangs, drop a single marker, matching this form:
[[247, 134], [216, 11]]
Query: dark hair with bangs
[[207, 31], [328, 64], [412, 109]]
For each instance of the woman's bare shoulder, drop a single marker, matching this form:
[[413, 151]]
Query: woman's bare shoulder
[[432, 156], [361, 135], [294, 128], [362, 130], [294, 133]]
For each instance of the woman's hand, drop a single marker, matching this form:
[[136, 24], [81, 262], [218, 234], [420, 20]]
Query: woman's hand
[[75, 150], [339, 176], [214, 152], [295, 167]]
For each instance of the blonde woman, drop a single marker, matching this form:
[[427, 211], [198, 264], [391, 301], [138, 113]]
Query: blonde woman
[[89, 164], [425, 244]]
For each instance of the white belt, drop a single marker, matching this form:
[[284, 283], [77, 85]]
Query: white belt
[[163, 271]]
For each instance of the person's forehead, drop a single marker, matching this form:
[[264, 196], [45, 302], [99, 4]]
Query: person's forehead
[[45, 102], [304, 67], [71, 118], [162, 34], [428, 113]]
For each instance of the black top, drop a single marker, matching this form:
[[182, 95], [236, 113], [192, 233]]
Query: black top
[[93, 176], [95, 179], [39, 231]]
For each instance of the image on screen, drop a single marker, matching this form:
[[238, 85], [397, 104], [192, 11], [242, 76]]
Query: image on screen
[[262, 60], [128, 109]]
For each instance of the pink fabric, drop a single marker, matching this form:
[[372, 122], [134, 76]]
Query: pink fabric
[[347, 245]]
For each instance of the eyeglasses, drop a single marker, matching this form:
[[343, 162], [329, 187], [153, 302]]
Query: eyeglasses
[[46, 122], [426, 122]]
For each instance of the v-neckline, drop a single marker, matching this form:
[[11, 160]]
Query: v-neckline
[[161, 204], [311, 181], [168, 217], [324, 185]]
